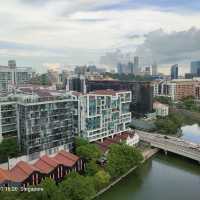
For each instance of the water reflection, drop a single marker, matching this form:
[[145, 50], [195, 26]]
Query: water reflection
[[191, 133], [163, 178]]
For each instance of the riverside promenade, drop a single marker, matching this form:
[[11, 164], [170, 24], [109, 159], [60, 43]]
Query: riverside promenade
[[147, 154]]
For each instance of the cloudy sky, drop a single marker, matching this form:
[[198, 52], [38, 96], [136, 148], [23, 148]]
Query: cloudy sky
[[42, 33]]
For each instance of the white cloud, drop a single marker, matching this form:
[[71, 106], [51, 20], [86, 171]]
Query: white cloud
[[75, 29]]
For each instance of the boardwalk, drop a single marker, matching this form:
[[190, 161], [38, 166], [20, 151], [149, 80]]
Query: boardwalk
[[172, 144]]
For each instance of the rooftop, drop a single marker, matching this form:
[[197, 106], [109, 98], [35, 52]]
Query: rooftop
[[22, 170], [107, 92], [104, 146]]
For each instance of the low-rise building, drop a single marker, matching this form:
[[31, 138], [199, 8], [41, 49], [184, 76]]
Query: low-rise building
[[56, 167], [162, 110], [128, 137]]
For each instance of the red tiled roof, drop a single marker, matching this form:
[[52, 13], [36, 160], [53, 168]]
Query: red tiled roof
[[62, 159], [104, 146], [4, 175], [22, 171], [46, 164]]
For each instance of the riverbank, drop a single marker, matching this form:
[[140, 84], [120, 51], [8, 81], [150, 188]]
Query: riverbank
[[159, 178], [147, 154]]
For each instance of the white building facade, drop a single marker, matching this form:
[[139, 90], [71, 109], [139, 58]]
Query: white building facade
[[104, 113], [162, 110], [12, 75]]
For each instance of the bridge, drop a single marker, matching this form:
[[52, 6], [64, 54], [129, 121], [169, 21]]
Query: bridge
[[171, 144]]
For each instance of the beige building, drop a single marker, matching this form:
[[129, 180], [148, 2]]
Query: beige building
[[162, 110], [177, 89]]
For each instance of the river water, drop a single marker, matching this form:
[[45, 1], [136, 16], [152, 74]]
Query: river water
[[163, 177], [191, 133]]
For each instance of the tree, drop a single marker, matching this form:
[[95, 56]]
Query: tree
[[40, 79], [91, 168], [163, 99], [8, 148], [10, 196], [88, 152], [102, 179], [77, 187], [121, 158], [51, 191], [169, 124], [80, 142]]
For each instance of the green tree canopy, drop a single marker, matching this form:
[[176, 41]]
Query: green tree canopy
[[102, 179], [51, 191], [77, 187], [170, 124], [80, 142], [121, 158], [88, 152], [91, 168], [8, 148]]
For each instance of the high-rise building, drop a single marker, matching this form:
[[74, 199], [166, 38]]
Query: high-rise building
[[195, 68], [104, 113], [14, 75], [131, 67], [142, 92], [147, 71], [76, 84], [44, 120], [53, 76], [120, 68], [174, 71], [8, 117], [177, 89], [154, 69], [136, 65]]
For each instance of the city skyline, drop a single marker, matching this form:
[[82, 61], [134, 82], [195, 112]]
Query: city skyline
[[42, 34]]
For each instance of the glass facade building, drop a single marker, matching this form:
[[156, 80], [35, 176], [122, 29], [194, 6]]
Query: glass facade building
[[104, 113]]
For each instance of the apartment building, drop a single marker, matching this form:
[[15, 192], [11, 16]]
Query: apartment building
[[14, 75], [8, 119], [141, 91], [104, 113], [47, 120], [177, 89]]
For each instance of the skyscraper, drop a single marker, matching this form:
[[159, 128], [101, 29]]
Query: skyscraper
[[174, 71], [154, 69], [131, 67], [195, 68], [136, 64], [120, 68]]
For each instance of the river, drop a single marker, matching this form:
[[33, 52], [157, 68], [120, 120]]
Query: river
[[191, 133], [163, 177]]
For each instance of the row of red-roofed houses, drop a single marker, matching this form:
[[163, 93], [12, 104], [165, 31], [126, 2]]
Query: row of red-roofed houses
[[130, 138], [25, 174]]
